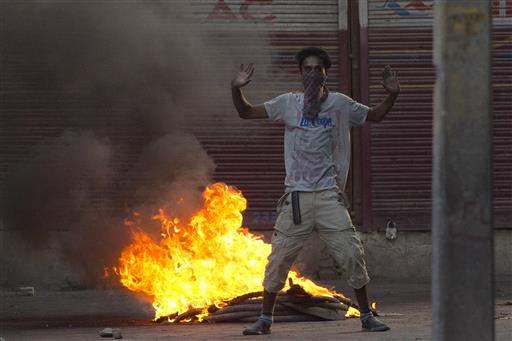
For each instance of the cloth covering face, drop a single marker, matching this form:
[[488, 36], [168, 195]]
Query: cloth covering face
[[315, 92]]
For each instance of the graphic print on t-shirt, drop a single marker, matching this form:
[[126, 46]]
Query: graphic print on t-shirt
[[316, 152], [309, 123], [313, 151]]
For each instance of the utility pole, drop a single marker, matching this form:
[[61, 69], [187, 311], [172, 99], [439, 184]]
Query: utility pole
[[462, 234]]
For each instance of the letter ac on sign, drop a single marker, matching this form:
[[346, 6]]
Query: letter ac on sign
[[223, 11]]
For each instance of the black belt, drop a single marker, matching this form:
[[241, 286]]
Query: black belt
[[296, 208]]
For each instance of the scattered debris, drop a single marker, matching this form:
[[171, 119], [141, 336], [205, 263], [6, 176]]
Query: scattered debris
[[26, 291], [107, 332], [505, 303], [117, 334], [294, 305], [111, 332]]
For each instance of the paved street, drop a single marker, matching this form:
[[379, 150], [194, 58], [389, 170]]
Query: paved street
[[80, 315]]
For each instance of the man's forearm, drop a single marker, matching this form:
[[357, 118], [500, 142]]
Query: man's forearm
[[241, 104], [378, 113]]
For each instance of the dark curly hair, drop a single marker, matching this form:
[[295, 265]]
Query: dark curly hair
[[313, 51]]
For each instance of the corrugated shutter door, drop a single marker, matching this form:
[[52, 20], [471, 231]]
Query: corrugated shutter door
[[502, 112], [400, 147], [249, 154]]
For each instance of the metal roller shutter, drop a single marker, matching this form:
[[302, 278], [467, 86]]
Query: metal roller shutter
[[249, 154], [398, 150]]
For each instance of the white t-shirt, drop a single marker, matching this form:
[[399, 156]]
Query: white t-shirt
[[317, 154]]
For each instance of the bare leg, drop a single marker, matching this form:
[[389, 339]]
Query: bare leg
[[262, 325], [368, 321], [269, 301], [362, 300]]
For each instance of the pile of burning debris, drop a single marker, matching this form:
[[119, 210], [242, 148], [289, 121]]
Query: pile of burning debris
[[208, 267], [293, 305]]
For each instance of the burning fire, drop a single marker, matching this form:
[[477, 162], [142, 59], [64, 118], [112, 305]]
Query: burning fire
[[207, 260], [353, 312]]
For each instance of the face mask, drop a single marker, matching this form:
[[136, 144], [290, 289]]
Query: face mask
[[314, 83]]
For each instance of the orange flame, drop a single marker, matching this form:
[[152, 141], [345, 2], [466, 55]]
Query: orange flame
[[206, 261], [353, 312]]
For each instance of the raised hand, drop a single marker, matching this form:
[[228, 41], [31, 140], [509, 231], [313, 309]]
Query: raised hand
[[243, 77], [390, 81]]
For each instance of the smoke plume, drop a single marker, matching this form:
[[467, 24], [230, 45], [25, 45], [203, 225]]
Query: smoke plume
[[106, 89]]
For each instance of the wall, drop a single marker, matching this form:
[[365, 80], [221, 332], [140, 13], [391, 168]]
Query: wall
[[408, 258]]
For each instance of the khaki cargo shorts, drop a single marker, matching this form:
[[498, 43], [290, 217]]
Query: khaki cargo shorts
[[325, 212]]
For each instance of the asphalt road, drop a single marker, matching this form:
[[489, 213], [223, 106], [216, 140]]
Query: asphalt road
[[80, 315]]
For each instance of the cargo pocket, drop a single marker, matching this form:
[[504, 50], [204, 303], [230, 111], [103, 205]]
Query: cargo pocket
[[282, 202], [284, 219], [275, 271]]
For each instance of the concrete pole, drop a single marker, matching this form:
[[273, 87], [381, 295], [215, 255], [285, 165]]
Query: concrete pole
[[462, 235]]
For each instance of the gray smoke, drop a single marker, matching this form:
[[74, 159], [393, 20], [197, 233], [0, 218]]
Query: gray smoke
[[103, 71]]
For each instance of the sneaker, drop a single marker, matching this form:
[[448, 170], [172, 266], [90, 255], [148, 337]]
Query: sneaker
[[259, 327], [373, 324]]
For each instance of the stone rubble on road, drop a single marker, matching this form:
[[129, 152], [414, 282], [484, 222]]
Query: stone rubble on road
[[111, 332]]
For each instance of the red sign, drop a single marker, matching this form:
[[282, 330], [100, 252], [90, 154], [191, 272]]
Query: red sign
[[223, 11]]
